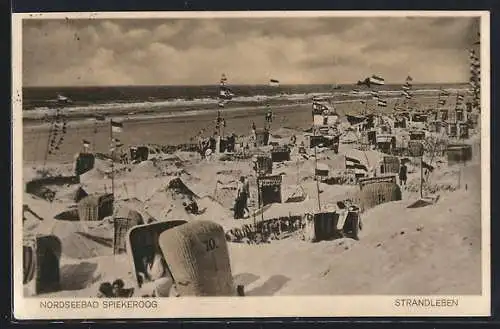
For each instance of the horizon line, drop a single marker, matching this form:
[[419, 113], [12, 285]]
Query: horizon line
[[235, 84]]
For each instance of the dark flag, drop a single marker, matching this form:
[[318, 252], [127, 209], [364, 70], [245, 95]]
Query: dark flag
[[274, 83], [116, 127], [382, 103]]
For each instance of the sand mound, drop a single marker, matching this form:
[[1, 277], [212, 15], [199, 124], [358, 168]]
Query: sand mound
[[145, 169], [167, 205], [93, 175], [49, 170], [214, 211], [82, 278], [81, 240], [412, 255], [38, 210]]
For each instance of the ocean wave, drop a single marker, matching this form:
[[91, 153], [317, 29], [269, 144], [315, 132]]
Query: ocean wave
[[178, 107]]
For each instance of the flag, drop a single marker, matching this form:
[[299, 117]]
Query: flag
[[225, 93], [460, 97], [223, 80], [352, 163], [382, 103], [409, 78], [444, 92], [274, 83], [377, 80], [221, 104], [319, 107], [86, 143], [406, 87], [116, 127], [63, 99]]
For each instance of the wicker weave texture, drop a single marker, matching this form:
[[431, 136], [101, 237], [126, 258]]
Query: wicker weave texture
[[198, 258], [377, 193]]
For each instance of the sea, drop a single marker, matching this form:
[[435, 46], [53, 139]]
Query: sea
[[89, 101]]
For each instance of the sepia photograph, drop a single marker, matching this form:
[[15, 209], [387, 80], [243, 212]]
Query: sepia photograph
[[161, 157]]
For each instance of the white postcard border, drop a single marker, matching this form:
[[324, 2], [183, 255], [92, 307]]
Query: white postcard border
[[276, 306]]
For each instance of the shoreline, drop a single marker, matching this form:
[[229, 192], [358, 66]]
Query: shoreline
[[168, 109]]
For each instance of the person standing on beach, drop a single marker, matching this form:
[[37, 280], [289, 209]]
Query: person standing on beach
[[240, 203], [269, 116], [246, 196], [254, 134], [403, 174]]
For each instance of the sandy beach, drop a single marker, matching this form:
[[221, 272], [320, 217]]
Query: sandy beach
[[251, 157], [413, 246]]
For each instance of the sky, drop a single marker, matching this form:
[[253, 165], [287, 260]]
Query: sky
[[100, 52]]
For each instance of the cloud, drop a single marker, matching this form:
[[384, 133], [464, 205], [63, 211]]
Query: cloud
[[252, 50]]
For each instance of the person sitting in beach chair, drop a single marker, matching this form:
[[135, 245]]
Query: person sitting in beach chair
[[156, 280]]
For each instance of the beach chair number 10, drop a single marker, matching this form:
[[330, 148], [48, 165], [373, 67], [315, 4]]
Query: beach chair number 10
[[210, 245]]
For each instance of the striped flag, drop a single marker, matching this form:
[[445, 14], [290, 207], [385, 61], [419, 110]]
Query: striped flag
[[407, 94], [443, 92], [223, 80], [274, 83], [352, 163], [377, 80], [319, 107], [382, 103], [116, 127]]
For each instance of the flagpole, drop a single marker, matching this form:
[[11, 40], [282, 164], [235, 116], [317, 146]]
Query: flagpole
[[438, 104], [316, 170], [93, 136], [112, 158], [422, 176]]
